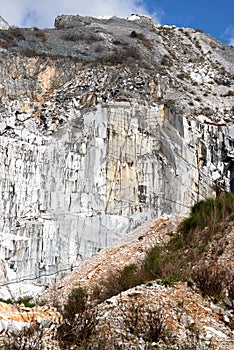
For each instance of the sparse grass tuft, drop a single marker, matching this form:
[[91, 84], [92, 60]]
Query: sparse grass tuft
[[209, 213]]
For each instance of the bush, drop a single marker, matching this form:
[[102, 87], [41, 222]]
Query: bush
[[26, 301], [119, 281], [76, 303], [170, 280], [166, 61], [6, 301], [141, 39], [175, 242], [133, 34], [79, 321], [122, 54], [71, 36], [230, 287], [6, 39], [210, 280], [153, 263], [144, 321], [199, 30], [193, 341], [174, 261], [209, 213], [163, 263], [228, 93], [154, 325], [207, 111]]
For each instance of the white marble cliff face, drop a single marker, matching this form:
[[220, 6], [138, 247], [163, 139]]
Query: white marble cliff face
[[65, 196], [89, 152]]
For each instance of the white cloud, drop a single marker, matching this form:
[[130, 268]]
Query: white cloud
[[42, 13], [229, 35], [231, 41]]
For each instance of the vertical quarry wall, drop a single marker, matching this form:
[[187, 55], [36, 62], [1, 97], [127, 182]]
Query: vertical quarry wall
[[66, 195]]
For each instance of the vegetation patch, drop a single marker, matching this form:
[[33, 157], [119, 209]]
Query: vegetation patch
[[6, 301], [26, 301], [77, 36], [79, 321], [118, 281], [209, 213], [141, 39], [182, 258]]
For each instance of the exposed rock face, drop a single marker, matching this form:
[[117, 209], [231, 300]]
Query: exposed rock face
[[103, 131], [3, 23]]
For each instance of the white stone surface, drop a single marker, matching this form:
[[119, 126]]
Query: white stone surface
[[3, 24], [106, 173]]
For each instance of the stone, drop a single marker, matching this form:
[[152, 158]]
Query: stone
[[226, 318], [2, 127], [187, 320], [211, 331], [3, 24]]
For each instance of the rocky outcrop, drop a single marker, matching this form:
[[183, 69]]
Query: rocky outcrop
[[95, 143], [3, 23]]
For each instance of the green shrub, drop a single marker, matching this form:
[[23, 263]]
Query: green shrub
[[76, 303], [118, 281], [170, 280], [153, 263], [128, 276], [26, 301], [79, 321], [175, 242], [6, 301], [209, 213], [164, 262]]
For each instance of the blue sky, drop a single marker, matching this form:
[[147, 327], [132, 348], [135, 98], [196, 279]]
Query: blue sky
[[212, 16]]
